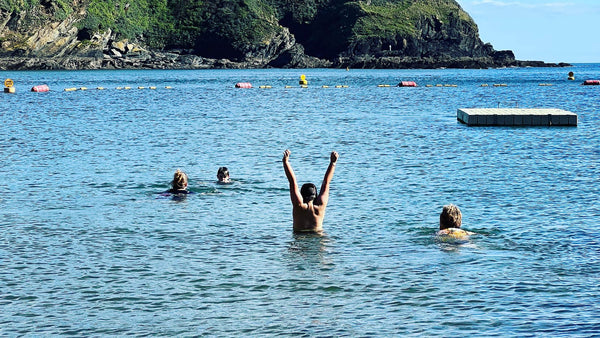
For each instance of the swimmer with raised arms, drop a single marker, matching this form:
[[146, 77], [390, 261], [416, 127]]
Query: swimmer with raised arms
[[308, 207]]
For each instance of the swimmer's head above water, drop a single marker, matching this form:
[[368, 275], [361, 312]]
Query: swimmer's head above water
[[450, 217], [308, 192], [180, 181], [223, 175]]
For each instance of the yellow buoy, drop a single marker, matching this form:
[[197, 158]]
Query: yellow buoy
[[70, 89], [303, 80], [8, 86]]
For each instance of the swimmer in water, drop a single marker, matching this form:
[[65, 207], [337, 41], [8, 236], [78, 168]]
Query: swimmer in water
[[180, 183], [223, 175], [308, 207], [450, 222]]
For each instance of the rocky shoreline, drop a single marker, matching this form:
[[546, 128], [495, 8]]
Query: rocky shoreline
[[175, 60]]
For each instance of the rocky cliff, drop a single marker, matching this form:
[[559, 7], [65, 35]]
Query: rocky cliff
[[194, 34]]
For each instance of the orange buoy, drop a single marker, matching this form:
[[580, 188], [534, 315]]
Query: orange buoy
[[591, 82], [243, 85], [407, 84], [40, 88]]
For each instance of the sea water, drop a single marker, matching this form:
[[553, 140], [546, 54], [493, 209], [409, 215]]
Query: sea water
[[90, 247]]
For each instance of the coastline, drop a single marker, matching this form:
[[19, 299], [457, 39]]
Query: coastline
[[174, 60]]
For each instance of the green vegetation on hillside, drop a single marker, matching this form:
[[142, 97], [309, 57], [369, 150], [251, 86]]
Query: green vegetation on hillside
[[236, 28], [37, 11], [386, 19]]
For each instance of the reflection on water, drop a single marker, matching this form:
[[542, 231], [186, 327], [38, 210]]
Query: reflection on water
[[310, 249]]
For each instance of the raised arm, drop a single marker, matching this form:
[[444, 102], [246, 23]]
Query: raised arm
[[324, 194], [289, 173]]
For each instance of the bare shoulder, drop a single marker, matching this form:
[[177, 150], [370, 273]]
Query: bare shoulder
[[453, 234]]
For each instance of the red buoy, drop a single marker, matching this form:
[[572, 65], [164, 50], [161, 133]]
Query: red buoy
[[243, 85], [40, 88], [407, 84], [591, 82]]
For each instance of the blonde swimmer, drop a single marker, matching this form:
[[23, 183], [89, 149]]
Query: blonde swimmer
[[450, 223]]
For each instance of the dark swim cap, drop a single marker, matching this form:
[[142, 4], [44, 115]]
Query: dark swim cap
[[308, 192]]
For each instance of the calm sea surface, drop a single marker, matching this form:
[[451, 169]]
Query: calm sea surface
[[89, 247]]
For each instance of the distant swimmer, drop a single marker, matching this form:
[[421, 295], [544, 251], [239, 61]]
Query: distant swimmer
[[223, 175], [450, 222], [180, 183], [308, 207]]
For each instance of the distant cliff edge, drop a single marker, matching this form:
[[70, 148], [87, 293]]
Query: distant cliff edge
[[195, 34]]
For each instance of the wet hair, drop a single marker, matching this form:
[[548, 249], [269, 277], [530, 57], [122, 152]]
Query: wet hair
[[450, 217], [308, 192], [180, 180], [223, 171]]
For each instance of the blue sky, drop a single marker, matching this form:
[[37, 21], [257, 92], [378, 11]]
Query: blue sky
[[546, 30]]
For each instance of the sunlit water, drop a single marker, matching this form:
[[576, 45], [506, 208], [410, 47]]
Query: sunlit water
[[89, 247]]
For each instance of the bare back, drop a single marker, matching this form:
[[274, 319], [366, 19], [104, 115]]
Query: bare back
[[309, 217]]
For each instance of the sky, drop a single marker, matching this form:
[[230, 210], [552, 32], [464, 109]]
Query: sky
[[541, 30]]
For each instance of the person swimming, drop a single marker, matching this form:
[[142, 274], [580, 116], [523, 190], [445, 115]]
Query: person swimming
[[179, 184], [308, 206], [450, 223], [223, 175]]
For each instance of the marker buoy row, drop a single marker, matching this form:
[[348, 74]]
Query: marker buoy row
[[72, 89], [442, 85], [301, 86]]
